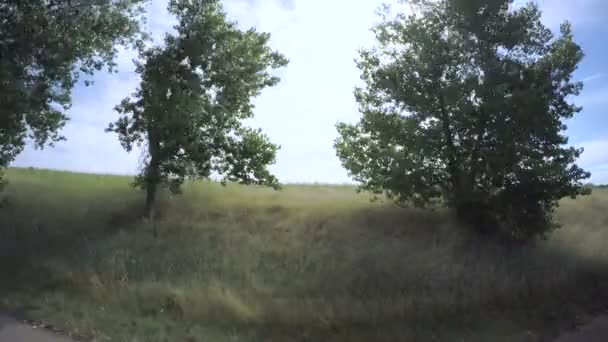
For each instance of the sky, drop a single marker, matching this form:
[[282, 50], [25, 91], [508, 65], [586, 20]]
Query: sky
[[321, 39]]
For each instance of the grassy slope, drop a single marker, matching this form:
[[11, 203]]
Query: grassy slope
[[309, 263]]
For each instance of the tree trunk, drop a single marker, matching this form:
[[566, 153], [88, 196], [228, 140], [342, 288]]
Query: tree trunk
[[150, 199], [152, 181], [151, 206], [453, 153]]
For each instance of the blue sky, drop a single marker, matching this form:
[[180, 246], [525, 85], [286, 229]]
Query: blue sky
[[321, 39]]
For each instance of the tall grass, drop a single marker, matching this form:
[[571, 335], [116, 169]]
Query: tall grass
[[308, 263]]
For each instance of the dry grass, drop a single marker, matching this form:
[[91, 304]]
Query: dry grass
[[309, 263]]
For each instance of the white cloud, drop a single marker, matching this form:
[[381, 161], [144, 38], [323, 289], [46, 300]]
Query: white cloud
[[88, 148], [595, 158], [321, 39], [594, 77]]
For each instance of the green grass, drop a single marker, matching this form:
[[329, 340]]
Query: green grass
[[308, 263]]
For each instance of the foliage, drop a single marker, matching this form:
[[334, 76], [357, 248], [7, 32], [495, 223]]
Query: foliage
[[194, 94], [465, 102], [44, 47]]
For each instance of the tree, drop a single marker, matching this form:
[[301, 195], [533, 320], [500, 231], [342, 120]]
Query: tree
[[195, 92], [44, 46], [464, 104]]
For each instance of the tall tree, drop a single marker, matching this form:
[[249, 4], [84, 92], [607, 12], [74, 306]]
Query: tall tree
[[465, 103], [44, 46], [195, 92]]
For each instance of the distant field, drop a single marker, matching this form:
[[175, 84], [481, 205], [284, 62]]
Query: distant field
[[308, 263]]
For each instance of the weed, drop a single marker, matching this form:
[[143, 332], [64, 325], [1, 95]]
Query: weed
[[308, 263]]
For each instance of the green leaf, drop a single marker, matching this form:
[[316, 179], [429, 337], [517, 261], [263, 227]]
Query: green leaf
[[195, 91], [465, 103]]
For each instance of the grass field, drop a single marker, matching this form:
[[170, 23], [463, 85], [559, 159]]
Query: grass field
[[308, 263]]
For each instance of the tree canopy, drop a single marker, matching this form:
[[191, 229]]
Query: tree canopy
[[44, 47], [195, 92], [464, 103]]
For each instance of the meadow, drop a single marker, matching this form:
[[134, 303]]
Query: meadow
[[307, 263]]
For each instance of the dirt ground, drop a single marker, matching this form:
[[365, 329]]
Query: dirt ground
[[15, 331], [596, 331]]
